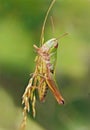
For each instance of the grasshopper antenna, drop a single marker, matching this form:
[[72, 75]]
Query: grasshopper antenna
[[43, 27], [62, 36], [53, 27]]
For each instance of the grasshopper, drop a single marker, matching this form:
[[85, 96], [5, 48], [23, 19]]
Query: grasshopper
[[43, 77]]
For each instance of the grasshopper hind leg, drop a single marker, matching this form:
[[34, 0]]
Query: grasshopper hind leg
[[42, 89]]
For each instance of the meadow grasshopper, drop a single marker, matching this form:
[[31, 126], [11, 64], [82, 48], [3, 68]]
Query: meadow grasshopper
[[43, 77]]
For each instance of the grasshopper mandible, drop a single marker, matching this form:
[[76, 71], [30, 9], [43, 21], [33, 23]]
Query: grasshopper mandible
[[44, 75]]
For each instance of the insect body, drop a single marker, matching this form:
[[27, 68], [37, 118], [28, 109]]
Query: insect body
[[43, 77], [48, 53]]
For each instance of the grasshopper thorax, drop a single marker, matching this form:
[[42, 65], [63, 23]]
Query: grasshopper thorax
[[49, 46]]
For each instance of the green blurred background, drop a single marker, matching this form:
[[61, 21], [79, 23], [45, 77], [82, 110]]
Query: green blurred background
[[20, 28]]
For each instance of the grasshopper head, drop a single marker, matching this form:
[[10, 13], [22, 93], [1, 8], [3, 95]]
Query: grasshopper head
[[52, 45]]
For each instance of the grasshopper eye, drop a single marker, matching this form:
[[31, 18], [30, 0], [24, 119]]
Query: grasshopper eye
[[56, 45]]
